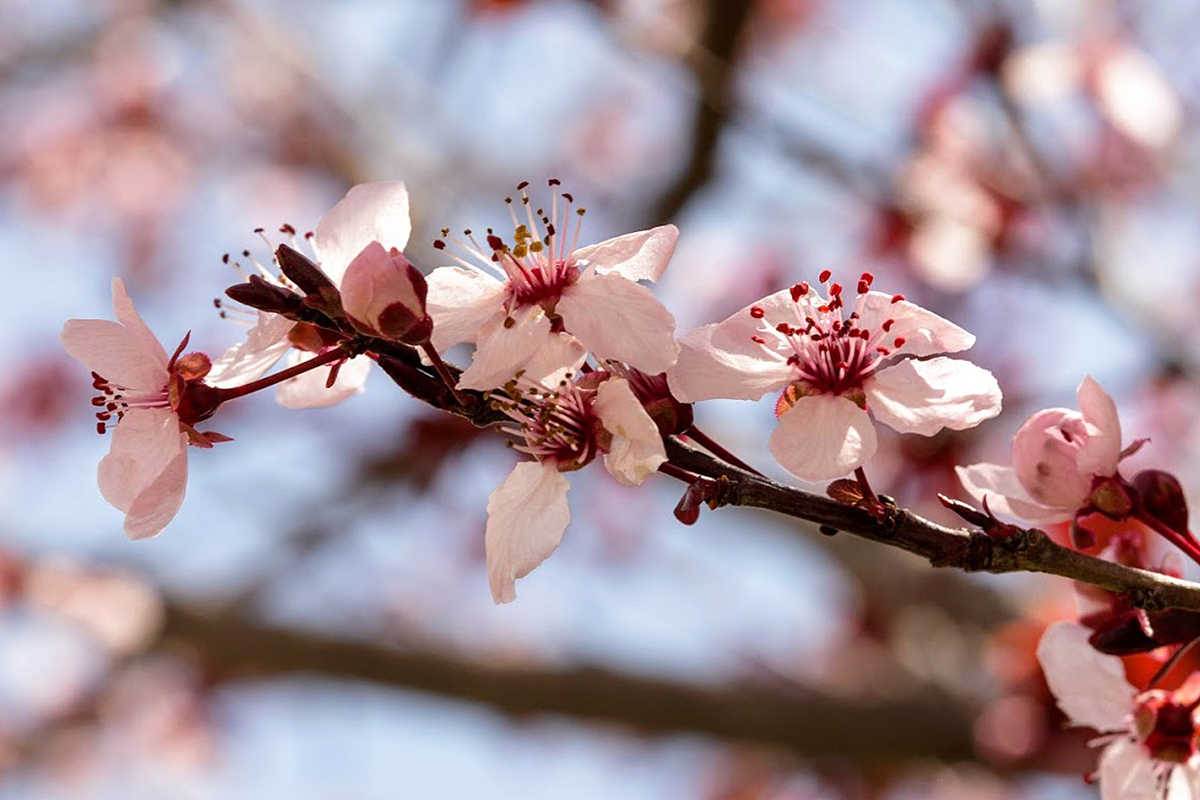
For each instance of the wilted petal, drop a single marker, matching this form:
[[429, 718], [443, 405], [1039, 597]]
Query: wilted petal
[[1127, 772], [144, 445], [619, 319], [461, 302], [823, 437], [527, 515], [925, 396], [1005, 495], [247, 360], [637, 256], [1099, 453], [924, 332], [370, 212], [307, 390], [504, 350], [637, 447], [1090, 687]]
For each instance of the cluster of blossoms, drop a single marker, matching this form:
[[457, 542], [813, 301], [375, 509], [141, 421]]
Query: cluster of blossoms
[[575, 358]]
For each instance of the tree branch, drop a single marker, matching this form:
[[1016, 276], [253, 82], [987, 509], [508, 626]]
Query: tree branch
[[929, 725], [973, 551]]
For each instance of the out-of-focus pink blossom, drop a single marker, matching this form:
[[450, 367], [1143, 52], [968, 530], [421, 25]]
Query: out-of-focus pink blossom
[[511, 299], [833, 369], [564, 429], [1057, 456], [1151, 752]]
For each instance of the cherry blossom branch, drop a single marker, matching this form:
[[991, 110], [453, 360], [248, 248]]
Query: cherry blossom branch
[[1029, 550]]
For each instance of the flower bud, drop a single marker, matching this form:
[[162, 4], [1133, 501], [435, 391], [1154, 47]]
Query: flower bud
[[384, 295]]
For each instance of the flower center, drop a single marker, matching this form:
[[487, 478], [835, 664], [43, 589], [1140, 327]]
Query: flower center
[[1166, 727], [559, 426], [831, 353], [536, 265]]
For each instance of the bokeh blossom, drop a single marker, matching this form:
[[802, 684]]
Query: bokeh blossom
[[833, 369]]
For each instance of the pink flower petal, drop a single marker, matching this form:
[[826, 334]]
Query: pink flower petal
[[127, 316], [637, 256], [1127, 772], [461, 302], [637, 447], [1090, 687], [111, 350], [1005, 495], [616, 318], [504, 350], [247, 360], [1045, 456], [924, 332], [375, 281], [561, 355], [1101, 450], [925, 396], [370, 212], [527, 515], [307, 390], [721, 360], [144, 446], [823, 437]]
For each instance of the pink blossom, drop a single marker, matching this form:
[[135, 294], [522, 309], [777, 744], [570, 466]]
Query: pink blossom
[[152, 402], [833, 370], [384, 295], [564, 429], [1150, 750], [1058, 455], [371, 213], [509, 299]]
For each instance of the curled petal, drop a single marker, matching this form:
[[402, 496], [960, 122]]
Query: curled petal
[[1090, 687], [506, 349], [307, 390], [370, 212], [924, 332], [925, 396], [616, 318], [461, 302], [247, 360], [384, 292], [145, 471], [527, 515], [823, 437], [1101, 450], [1005, 495], [637, 256], [637, 447], [1045, 456]]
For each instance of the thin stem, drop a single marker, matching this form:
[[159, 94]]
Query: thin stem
[[1184, 541], [865, 485], [667, 468], [711, 445], [444, 371], [320, 360], [1170, 663]]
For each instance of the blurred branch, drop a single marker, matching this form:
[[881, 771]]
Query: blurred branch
[[712, 65], [932, 725], [974, 551]]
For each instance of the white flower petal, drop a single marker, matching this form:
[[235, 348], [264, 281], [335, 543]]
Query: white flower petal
[[637, 447], [1005, 495], [145, 445], [504, 350], [247, 360], [637, 256], [527, 515], [461, 302], [562, 354], [823, 437], [1100, 452], [619, 319], [307, 390], [925, 396], [924, 332], [370, 212], [1127, 772], [1090, 687]]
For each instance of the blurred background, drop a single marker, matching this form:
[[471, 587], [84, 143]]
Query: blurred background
[[316, 622]]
